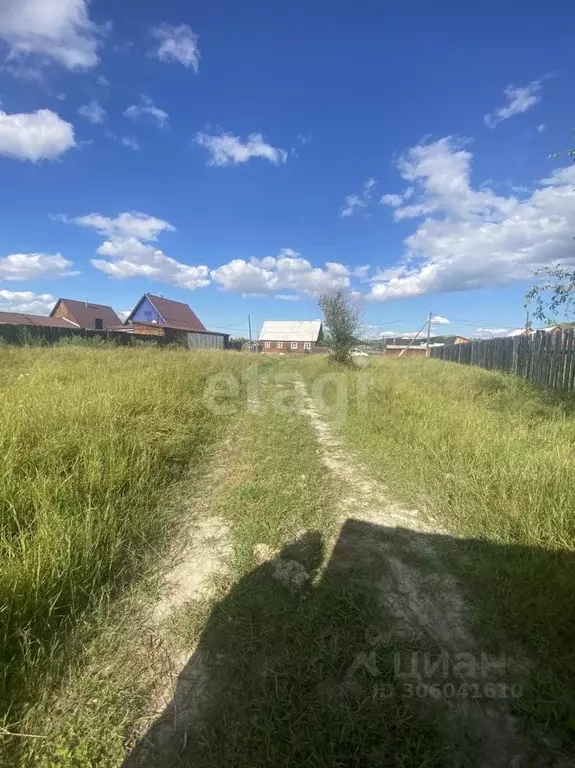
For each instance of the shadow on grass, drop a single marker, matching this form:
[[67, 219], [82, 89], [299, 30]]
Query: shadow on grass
[[373, 664]]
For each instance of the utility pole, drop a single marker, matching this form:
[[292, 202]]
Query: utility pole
[[429, 328], [527, 324], [250, 326], [412, 342]]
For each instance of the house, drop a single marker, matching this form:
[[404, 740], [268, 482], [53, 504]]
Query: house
[[18, 318], [153, 314], [84, 314], [416, 350], [175, 321], [290, 336], [448, 340]]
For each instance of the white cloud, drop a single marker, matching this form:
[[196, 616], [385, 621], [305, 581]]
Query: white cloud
[[50, 29], [128, 253], [103, 81], [287, 296], [288, 271], [29, 266], [396, 334], [361, 271], [491, 333], [354, 203], [177, 44], [471, 237], [147, 108], [40, 135], [519, 100], [131, 257], [93, 111], [393, 200], [439, 320], [130, 142], [541, 128], [27, 302], [133, 224], [226, 149]]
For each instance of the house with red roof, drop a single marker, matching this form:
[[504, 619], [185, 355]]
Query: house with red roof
[[156, 314], [85, 314]]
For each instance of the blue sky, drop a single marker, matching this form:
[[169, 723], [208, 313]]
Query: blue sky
[[228, 154]]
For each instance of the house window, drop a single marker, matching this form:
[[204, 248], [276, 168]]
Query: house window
[[279, 344], [294, 345], [267, 344], [98, 324], [307, 345]]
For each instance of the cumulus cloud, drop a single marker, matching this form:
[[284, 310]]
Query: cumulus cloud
[[519, 100], [288, 271], [491, 333], [226, 149], [130, 142], [128, 251], [29, 266], [59, 30], [93, 111], [394, 334], [40, 135], [393, 200], [130, 257], [177, 43], [147, 109], [439, 320], [132, 224], [27, 302], [470, 237], [355, 202]]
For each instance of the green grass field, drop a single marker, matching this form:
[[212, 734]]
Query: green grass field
[[492, 458], [100, 446], [92, 442]]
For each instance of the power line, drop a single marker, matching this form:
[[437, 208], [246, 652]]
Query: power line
[[483, 322]]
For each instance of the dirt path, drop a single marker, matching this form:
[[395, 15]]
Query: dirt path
[[382, 549], [392, 550]]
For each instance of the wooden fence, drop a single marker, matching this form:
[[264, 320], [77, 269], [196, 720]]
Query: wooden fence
[[42, 334], [544, 358]]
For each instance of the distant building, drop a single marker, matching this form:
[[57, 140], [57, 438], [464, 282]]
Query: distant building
[[85, 314], [290, 336], [395, 350], [19, 318], [175, 321], [154, 313]]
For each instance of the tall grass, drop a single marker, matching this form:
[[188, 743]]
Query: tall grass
[[492, 459], [91, 442]]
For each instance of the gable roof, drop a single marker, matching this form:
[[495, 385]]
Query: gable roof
[[18, 318], [84, 313], [176, 314], [290, 330]]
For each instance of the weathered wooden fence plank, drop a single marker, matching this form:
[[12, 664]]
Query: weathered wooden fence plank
[[544, 358]]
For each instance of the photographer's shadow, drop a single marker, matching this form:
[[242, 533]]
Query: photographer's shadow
[[290, 674]]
